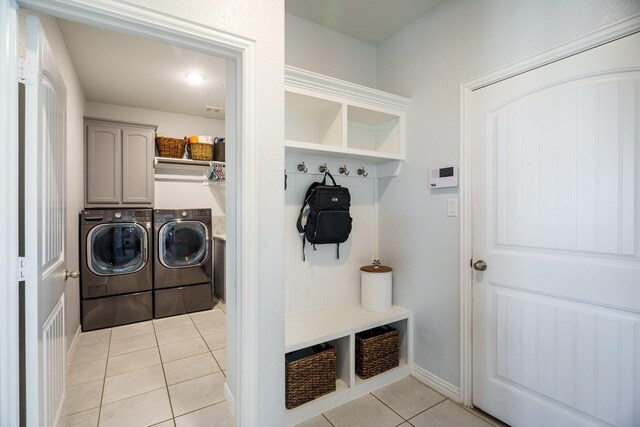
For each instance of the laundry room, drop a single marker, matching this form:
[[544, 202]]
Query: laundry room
[[146, 205]]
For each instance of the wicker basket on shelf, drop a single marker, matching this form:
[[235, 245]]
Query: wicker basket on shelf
[[170, 147], [201, 151], [309, 373], [377, 350]]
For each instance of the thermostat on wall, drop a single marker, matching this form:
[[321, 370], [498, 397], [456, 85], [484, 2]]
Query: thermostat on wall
[[442, 177]]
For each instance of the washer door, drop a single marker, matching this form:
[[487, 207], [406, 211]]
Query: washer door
[[183, 244], [119, 248]]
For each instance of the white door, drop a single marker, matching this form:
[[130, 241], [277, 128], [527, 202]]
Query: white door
[[556, 218], [45, 136]]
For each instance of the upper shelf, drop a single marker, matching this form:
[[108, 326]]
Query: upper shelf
[[335, 118], [188, 162]]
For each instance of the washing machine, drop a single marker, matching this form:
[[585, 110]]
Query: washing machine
[[116, 281], [182, 261]]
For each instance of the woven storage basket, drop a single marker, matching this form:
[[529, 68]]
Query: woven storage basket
[[377, 350], [170, 147], [201, 151], [310, 373]]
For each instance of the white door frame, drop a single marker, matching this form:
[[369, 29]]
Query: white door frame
[[9, 337], [242, 179], [589, 41]]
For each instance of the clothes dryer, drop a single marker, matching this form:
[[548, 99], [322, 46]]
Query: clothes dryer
[[182, 261]]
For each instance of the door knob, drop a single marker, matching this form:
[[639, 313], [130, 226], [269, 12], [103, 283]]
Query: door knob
[[74, 274], [480, 265]]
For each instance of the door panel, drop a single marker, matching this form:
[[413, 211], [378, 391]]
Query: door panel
[[45, 146], [565, 170], [556, 216], [137, 165], [104, 153]]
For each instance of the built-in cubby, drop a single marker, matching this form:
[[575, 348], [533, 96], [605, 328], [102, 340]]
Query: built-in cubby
[[338, 326], [313, 120], [373, 130], [356, 133], [332, 117]]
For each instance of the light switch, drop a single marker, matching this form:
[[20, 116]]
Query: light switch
[[452, 207]]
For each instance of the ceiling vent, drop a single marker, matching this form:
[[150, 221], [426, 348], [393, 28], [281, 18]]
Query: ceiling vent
[[212, 109]]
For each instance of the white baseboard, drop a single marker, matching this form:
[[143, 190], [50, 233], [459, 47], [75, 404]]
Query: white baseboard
[[436, 383], [72, 349], [231, 401]]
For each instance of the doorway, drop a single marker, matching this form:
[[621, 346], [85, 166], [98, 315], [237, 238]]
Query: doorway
[[240, 53]]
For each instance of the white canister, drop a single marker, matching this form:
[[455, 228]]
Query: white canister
[[376, 287]]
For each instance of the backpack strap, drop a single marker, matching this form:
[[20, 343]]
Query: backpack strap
[[324, 180], [310, 190]]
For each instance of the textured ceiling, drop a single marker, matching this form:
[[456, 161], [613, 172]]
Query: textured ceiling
[[120, 69], [371, 21]]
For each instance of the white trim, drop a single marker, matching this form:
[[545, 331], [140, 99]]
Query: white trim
[[228, 397], [303, 79], [74, 345], [572, 47], [435, 382], [9, 336], [591, 40], [125, 17], [466, 245]]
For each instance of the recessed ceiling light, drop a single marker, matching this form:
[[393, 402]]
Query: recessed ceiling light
[[194, 77]]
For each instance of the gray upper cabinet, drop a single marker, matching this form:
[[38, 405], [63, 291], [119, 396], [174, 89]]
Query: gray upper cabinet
[[119, 164]]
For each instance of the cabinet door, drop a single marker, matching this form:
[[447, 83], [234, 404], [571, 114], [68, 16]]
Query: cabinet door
[[104, 165], [137, 166]]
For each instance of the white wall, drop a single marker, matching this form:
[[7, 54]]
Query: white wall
[[312, 47], [262, 21], [456, 41], [74, 164], [169, 124], [323, 280]]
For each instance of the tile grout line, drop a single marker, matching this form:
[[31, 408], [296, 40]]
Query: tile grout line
[[164, 374], [104, 379], [199, 409], [430, 407], [380, 400], [328, 420], [211, 351]]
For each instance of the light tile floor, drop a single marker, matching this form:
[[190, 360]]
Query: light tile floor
[[405, 403], [166, 372], [170, 373]]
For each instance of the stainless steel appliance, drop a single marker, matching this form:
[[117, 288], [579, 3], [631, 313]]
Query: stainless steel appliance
[[219, 259], [182, 261], [117, 275]]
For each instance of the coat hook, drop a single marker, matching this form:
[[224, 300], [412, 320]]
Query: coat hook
[[343, 170], [363, 172], [302, 167], [323, 168]]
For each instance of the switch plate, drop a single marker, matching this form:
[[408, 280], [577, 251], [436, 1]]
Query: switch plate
[[452, 207]]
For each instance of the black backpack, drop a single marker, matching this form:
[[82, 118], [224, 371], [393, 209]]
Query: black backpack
[[328, 220]]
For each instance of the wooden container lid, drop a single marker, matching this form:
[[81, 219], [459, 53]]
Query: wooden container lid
[[376, 269]]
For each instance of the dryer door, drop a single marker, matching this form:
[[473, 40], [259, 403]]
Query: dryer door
[[183, 244], [119, 248]]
